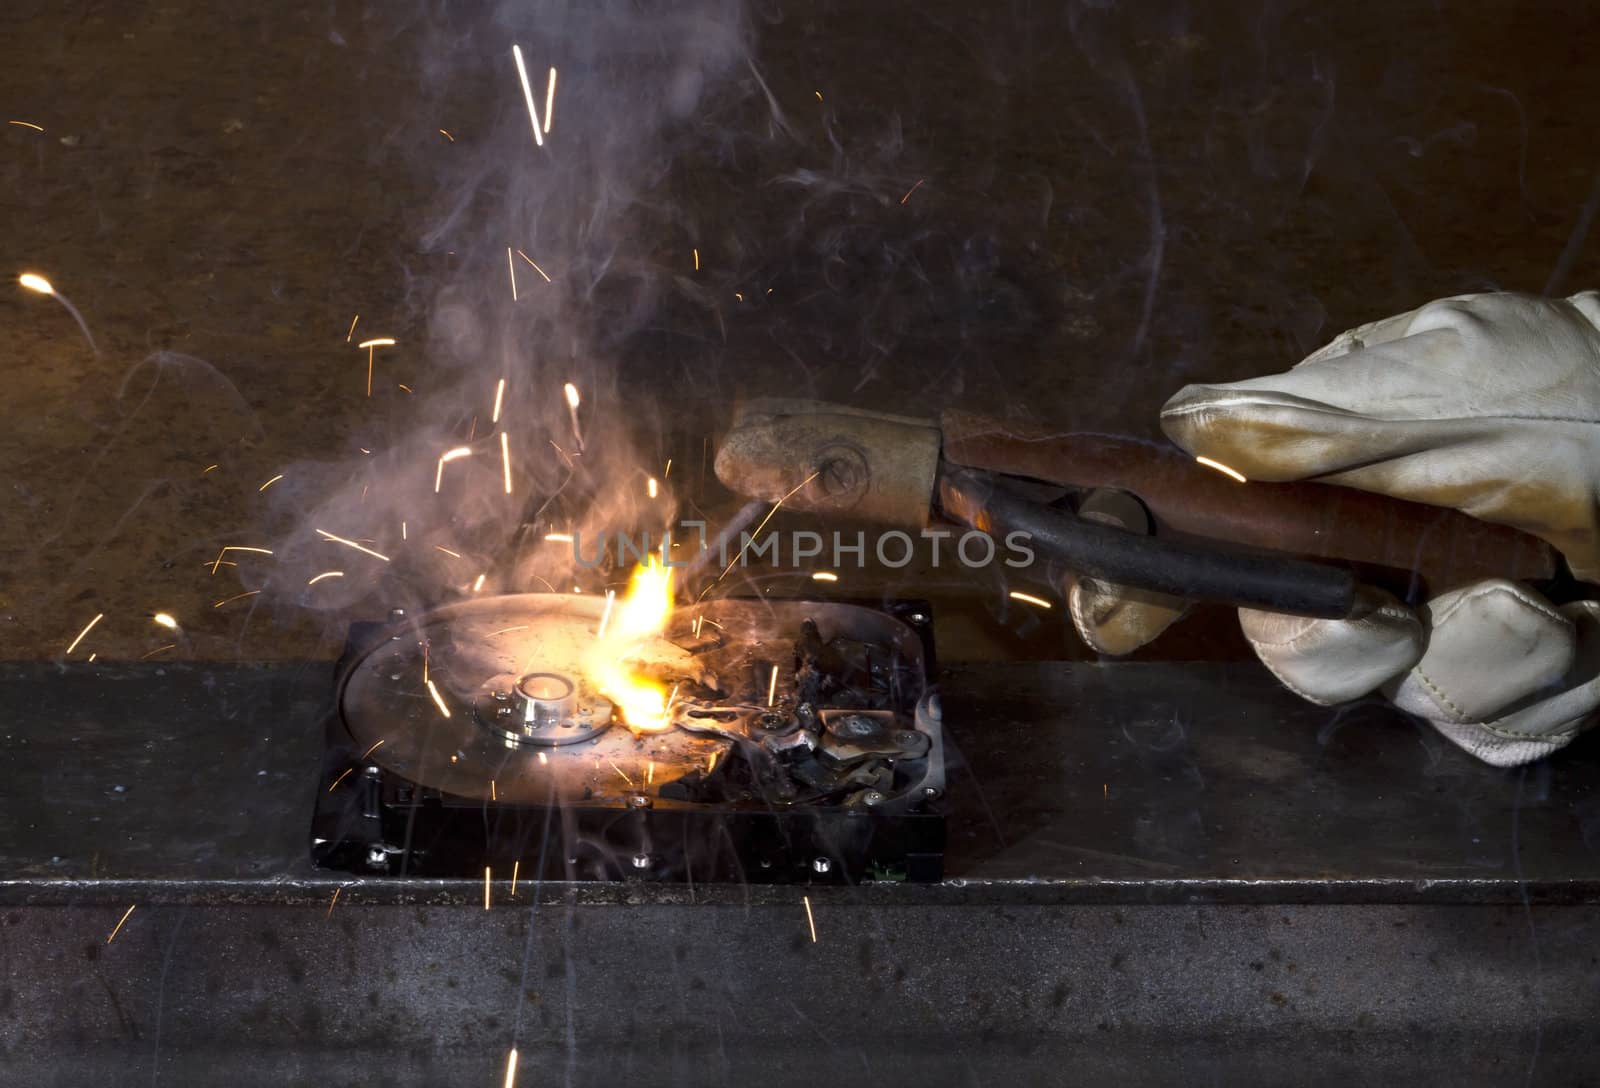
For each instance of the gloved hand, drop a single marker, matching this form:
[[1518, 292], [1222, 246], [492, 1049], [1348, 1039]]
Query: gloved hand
[[1486, 403]]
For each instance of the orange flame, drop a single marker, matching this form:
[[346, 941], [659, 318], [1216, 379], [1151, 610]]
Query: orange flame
[[640, 614]]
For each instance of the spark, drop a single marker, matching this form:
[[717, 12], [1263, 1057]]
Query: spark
[[332, 901], [527, 93], [166, 620], [493, 796], [515, 865], [371, 346], [543, 758], [622, 772], [1028, 598], [352, 331], [824, 576], [1105, 790], [605, 617], [752, 537], [270, 482], [486, 887], [438, 700], [447, 135], [350, 544], [344, 774], [511, 266], [738, 296], [117, 930], [711, 763], [404, 386], [913, 189], [27, 124], [157, 650], [1222, 468], [697, 260], [326, 574], [35, 282], [772, 686], [208, 468], [235, 597], [559, 538], [504, 630], [505, 459], [447, 551], [818, 94], [476, 586], [93, 656], [651, 487], [811, 920], [86, 629], [445, 458], [698, 620], [549, 101], [650, 773], [668, 470], [511, 1060], [374, 747], [535, 264], [403, 531], [236, 548], [499, 396]]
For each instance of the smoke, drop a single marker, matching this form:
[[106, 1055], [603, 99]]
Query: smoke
[[539, 260]]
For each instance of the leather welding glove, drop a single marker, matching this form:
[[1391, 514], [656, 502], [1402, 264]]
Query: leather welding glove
[[1486, 403]]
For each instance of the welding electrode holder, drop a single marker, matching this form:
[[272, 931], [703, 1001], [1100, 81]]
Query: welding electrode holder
[[1295, 546], [1192, 571]]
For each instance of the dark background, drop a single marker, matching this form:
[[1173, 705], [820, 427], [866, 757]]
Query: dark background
[[1110, 201]]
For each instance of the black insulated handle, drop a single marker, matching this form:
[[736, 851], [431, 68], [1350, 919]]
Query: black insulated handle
[[1267, 580]]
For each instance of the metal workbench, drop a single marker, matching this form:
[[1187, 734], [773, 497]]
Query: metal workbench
[[1158, 872]]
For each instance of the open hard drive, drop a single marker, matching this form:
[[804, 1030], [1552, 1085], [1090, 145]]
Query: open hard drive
[[800, 742]]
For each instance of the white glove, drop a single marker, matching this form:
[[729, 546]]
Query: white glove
[[1486, 403]]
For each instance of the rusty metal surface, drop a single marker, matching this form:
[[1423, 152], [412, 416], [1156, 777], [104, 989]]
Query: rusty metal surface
[[735, 995], [1158, 872], [1067, 783]]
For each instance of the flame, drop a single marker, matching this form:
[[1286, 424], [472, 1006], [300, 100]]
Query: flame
[[641, 613]]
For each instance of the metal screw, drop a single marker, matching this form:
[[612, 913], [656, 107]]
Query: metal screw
[[871, 797], [397, 613], [820, 865], [931, 792], [917, 617], [641, 861], [638, 800], [377, 857]]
